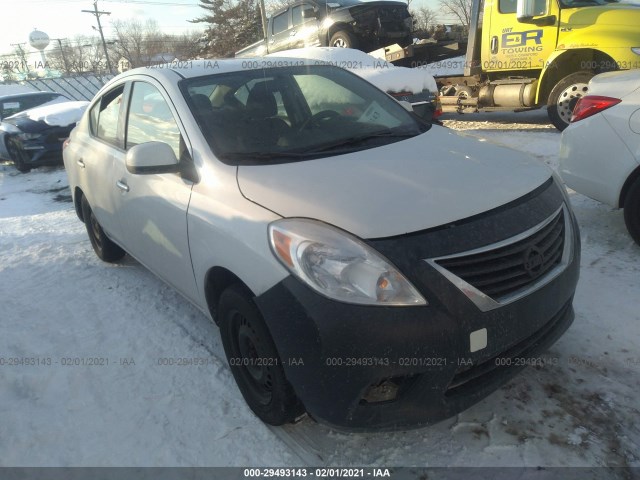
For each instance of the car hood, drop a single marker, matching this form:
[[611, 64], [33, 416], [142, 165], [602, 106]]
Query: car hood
[[433, 179]]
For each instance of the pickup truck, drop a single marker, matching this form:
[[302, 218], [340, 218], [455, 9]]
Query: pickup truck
[[339, 23]]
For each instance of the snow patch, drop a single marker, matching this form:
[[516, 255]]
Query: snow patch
[[56, 112]]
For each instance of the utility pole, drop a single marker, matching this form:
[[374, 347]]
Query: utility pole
[[263, 14], [104, 44], [64, 57], [22, 55]]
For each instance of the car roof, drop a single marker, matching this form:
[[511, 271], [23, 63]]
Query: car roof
[[200, 68]]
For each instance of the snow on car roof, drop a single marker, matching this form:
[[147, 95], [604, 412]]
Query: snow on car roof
[[56, 114], [384, 75], [381, 73]]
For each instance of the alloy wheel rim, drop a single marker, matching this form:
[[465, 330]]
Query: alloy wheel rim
[[568, 99]]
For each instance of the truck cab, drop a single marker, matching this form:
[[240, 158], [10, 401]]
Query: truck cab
[[531, 53]]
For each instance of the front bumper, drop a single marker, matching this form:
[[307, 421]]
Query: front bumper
[[342, 360]]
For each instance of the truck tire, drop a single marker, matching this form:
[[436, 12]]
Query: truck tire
[[564, 95], [632, 211], [343, 39]]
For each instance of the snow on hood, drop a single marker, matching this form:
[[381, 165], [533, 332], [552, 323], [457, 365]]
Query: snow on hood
[[55, 113], [381, 73], [423, 182]]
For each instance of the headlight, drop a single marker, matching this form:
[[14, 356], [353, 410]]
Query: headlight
[[636, 50], [29, 136], [9, 128], [339, 265]]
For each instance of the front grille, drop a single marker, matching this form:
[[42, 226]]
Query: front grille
[[469, 378], [507, 269]]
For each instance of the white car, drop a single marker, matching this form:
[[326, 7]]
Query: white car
[[600, 150], [364, 266], [413, 85]]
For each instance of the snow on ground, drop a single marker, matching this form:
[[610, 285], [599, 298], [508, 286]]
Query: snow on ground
[[60, 302]]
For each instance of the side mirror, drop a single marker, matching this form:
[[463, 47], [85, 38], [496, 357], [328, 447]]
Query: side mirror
[[525, 9], [407, 106], [151, 157]]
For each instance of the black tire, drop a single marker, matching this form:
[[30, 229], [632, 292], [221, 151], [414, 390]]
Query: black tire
[[343, 39], [105, 249], [18, 156], [632, 211], [564, 95], [254, 360]]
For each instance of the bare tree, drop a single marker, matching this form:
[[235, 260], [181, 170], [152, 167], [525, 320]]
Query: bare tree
[[80, 55], [423, 18], [460, 9], [137, 44]]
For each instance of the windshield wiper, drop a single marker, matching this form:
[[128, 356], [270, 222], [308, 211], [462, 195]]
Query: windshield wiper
[[262, 155], [355, 140]]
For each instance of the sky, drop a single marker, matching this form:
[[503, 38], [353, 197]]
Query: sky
[[63, 18]]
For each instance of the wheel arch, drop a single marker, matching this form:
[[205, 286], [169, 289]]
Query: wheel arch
[[631, 179], [217, 279], [336, 27], [563, 63]]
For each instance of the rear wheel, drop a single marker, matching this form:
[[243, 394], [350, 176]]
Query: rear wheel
[[19, 157], [254, 360], [632, 211], [343, 39], [105, 249], [565, 95]]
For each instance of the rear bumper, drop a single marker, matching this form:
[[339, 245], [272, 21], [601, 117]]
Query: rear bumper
[[335, 354], [594, 161]]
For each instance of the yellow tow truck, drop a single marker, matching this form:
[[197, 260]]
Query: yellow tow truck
[[526, 54]]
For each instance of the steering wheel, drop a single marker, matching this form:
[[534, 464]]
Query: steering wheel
[[321, 115]]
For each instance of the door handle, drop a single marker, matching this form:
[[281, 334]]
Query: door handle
[[80, 162], [122, 186], [494, 45], [292, 33]]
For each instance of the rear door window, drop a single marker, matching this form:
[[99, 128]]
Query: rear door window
[[105, 114]]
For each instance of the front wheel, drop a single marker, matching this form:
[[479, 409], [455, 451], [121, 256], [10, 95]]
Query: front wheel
[[105, 249], [18, 156], [254, 360], [565, 95], [632, 211], [343, 39]]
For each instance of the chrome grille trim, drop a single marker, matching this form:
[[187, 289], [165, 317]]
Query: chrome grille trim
[[486, 303]]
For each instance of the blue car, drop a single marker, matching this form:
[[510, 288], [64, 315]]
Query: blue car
[[18, 102], [34, 137]]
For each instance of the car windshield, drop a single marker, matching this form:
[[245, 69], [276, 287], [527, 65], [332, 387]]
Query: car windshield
[[294, 113]]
